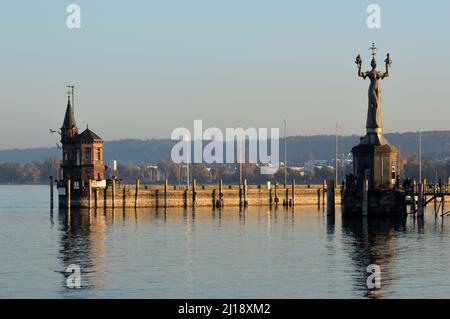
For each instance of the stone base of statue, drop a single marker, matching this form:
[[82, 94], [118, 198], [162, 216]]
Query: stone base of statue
[[373, 187], [390, 202]]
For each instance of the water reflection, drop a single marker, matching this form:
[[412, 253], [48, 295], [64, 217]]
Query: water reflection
[[373, 241], [183, 240], [82, 243]]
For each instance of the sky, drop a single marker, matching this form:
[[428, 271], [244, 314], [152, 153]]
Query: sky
[[144, 68]]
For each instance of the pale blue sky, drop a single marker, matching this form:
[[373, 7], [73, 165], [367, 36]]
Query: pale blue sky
[[142, 68]]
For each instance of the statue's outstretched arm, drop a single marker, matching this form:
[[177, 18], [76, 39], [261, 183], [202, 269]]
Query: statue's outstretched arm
[[359, 64], [388, 63], [362, 74]]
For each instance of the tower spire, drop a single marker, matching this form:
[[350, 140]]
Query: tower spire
[[69, 127]]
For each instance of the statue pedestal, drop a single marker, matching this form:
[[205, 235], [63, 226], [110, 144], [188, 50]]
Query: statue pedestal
[[374, 160], [377, 164]]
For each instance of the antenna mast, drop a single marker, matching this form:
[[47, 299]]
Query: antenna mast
[[70, 92]]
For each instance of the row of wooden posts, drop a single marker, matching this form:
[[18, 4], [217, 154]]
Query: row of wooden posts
[[422, 199], [328, 187]]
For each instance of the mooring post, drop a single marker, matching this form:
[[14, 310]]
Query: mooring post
[[293, 193], [51, 191], [90, 193], [420, 200], [136, 194], [124, 196], [324, 187], [330, 197], [435, 199], [270, 197], [166, 184], [113, 192], [286, 200], [318, 197], [68, 192], [240, 194], [424, 192], [276, 194], [194, 192], [213, 197], [185, 197], [220, 193], [245, 193], [365, 200]]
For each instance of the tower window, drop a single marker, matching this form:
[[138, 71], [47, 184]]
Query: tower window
[[99, 154], [66, 156], [88, 154]]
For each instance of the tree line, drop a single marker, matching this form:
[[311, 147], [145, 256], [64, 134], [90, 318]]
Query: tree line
[[39, 172]]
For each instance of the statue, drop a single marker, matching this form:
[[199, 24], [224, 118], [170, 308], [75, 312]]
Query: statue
[[374, 124]]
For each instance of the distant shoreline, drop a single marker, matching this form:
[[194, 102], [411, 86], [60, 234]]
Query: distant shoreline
[[23, 184]]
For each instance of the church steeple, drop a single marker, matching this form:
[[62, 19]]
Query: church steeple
[[69, 128]]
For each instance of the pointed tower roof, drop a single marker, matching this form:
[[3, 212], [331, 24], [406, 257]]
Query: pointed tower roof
[[69, 118]]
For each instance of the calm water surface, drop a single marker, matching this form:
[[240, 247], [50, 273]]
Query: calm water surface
[[178, 253]]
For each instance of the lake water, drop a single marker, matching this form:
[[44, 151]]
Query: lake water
[[178, 253]]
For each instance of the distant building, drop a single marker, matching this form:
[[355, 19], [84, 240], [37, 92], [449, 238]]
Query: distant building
[[311, 164], [82, 153], [300, 170]]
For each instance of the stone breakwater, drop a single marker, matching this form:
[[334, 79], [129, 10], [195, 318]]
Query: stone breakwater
[[215, 196]]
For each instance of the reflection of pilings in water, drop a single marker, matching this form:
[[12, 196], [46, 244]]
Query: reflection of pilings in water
[[372, 241], [82, 243], [331, 221], [189, 230]]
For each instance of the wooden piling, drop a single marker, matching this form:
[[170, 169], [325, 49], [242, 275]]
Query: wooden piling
[[194, 192], [420, 200], [270, 197], [245, 193], [318, 196], [435, 199], [166, 184], [286, 197], [185, 197], [276, 194], [51, 192], [136, 194], [113, 192], [124, 196], [330, 197], [220, 194], [324, 187], [365, 199], [240, 194], [96, 197], [293, 193], [156, 198]]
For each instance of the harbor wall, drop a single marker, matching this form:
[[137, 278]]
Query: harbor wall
[[115, 196]]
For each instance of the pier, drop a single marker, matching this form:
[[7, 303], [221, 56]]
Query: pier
[[419, 196], [216, 196]]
